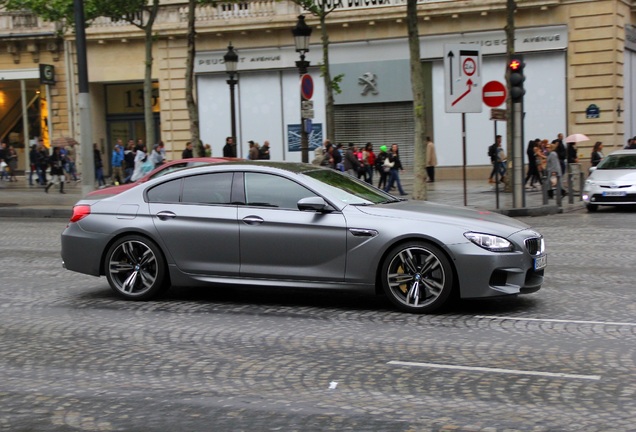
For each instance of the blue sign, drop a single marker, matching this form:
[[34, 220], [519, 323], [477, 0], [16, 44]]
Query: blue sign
[[293, 137], [592, 111]]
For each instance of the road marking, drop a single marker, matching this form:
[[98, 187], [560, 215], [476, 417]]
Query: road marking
[[555, 320], [496, 370]]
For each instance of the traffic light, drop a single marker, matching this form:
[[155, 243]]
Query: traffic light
[[516, 78]]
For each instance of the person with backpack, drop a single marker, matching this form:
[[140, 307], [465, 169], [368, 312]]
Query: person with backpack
[[493, 153]]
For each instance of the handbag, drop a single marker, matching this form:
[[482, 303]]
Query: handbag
[[387, 165]]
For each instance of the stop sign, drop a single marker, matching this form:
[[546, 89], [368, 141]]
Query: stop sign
[[494, 94]]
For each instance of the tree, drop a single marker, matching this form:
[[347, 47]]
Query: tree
[[193, 111], [419, 107], [320, 9]]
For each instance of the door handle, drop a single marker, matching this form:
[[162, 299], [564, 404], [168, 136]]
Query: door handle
[[164, 215], [253, 220]]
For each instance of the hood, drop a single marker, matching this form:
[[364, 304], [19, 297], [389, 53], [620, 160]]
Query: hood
[[623, 176], [464, 218]]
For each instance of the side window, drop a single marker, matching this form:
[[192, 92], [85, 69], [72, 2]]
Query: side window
[[207, 189], [273, 191], [167, 192]]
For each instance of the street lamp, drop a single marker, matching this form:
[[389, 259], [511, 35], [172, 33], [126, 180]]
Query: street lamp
[[301, 33], [231, 62]]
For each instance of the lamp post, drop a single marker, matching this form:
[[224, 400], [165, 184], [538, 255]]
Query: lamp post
[[231, 62], [301, 33]]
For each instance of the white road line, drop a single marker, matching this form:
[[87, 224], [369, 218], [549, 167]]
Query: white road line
[[555, 320], [496, 370]]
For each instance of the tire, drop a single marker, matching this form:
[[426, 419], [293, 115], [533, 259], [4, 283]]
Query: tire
[[135, 268], [417, 277], [591, 207]]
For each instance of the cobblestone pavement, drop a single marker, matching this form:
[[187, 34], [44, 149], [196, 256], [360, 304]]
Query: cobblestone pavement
[[73, 357]]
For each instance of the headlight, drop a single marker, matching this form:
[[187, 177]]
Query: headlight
[[490, 242]]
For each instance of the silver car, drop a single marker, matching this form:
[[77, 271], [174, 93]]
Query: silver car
[[612, 182], [272, 224]]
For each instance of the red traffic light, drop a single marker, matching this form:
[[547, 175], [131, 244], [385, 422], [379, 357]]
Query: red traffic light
[[515, 65]]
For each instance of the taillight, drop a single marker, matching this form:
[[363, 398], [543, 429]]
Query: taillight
[[80, 212]]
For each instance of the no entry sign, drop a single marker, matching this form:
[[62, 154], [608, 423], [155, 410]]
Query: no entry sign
[[494, 94]]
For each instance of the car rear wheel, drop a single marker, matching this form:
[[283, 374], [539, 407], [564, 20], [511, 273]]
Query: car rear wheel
[[417, 277], [591, 207], [135, 268]]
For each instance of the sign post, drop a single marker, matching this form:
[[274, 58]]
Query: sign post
[[306, 113], [462, 86], [494, 94]]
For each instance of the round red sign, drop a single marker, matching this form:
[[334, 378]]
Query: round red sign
[[494, 94], [306, 86]]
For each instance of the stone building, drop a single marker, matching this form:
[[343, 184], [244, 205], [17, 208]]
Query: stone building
[[580, 60]]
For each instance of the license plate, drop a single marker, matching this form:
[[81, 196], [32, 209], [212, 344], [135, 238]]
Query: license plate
[[540, 262], [614, 193]]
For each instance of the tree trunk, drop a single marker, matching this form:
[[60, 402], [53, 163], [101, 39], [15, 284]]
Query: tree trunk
[[419, 107], [193, 112], [148, 117], [326, 75]]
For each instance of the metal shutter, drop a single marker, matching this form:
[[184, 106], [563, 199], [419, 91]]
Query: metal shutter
[[380, 124]]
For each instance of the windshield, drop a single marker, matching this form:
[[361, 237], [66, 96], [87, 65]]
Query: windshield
[[348, 189], [621, 161]]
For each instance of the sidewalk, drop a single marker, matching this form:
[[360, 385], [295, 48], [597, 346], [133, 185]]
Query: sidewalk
[[18, 199]]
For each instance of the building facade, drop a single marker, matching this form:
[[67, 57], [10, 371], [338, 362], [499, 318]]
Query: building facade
[[580, 65]]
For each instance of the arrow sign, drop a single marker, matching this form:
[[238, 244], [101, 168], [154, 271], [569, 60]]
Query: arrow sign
[[462, 73], [469, 83]]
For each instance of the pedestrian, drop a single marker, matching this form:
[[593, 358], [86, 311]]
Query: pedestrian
[[70, 156], [116, 163], [381, 168], [253, 151], [394, 171], [553, 169], [228, 149], [57, 170], [157, 156], [186, 154], [43, 162], [129, 161], [351, 162], [369, 158], [533, 171], [4, 167], [99, 166], [140, 159], [572, 154], [263, 152], [33, 162], [207, 150], [498, 160], [11, 158], [560, 150], [431, 160], [597, 153]]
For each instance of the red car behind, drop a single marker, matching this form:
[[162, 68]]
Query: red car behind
[[163, 169]]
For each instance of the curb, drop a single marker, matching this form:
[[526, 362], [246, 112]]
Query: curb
[[43, 213]]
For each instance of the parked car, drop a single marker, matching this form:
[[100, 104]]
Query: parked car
[[276, 224], [163, 169], [612, 182]]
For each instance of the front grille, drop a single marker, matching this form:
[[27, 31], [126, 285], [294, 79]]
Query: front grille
[[534, 245], [598, 198]]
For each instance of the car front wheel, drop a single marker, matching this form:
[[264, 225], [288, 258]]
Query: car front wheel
[[417, 277], [591, 207], [135, 268]]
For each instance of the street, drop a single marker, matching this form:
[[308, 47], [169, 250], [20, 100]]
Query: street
[[73, 356]]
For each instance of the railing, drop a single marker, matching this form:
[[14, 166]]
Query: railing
[[23, 22]]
